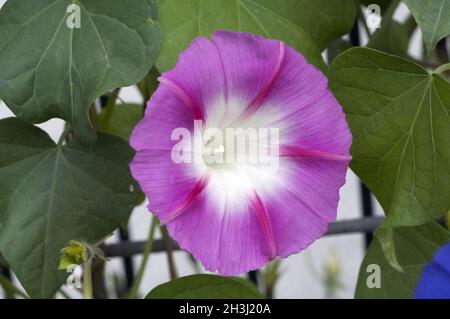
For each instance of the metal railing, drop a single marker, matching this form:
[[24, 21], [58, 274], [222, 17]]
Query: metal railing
[[131, 248]]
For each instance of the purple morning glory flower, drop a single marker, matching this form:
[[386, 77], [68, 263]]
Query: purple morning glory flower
[[237, 214], [434, 282]]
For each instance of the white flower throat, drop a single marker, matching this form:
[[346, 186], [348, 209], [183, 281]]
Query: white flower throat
[[223, 147]]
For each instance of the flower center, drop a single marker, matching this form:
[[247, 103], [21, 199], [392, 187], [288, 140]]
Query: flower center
[[214, 148]]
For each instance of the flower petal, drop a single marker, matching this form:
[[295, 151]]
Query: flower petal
[[278, 85], [199, 73], [435, 280], [171, 187], [251, 65], [222, 230], [236, 217], [165, 112], [302, 199], [302, 106]]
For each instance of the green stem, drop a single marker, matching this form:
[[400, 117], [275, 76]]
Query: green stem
[[443, 68], [87, 279], [10, 289], [423, 63], [410, 25], [149, 84], [390, 11], [64, 135], [109, 109], [147, 250], [168, 245]]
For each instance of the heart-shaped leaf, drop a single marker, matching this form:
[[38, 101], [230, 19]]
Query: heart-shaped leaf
[[415, 247], [205, 287], [433, 18], [58, 56], [306, 25], [399, 117], [52, 194]]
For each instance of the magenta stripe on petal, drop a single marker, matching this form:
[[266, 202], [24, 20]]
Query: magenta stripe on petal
[[295, 151], [192, 196], [182, 94], [265, 223], [250, 64], [256, 103]]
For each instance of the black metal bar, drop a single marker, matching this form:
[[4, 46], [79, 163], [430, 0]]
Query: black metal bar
[[253, 277], [335, 228], [367, 210], [366, 198], [128, 249], [354, 34], [364, 225], [6, 272], [127, 260]]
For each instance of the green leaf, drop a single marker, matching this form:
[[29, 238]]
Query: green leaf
[[205, 287], [385, 236], [121, 120], [149, 84], [392, 37], [433, 19], [305, 25], [52, 194], [399, 117], [323, 20], [50, 70], [415, 247]]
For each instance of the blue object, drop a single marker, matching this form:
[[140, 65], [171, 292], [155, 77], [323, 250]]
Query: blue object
[[435, 280]]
